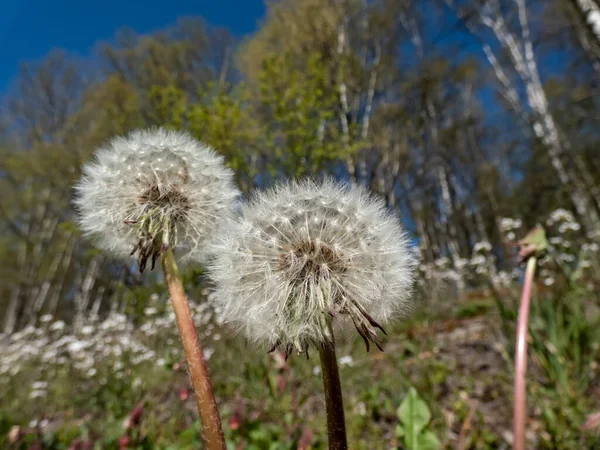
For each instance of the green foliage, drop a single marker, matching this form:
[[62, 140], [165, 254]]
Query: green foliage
[[299, 113], [167, 106], [414, 418], [224, 119], [566, 347]]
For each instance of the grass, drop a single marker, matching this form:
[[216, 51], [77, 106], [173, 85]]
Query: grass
[[458, 361]]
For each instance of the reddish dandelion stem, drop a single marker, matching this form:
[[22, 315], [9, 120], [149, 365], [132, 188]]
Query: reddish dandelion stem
[[212, 431]]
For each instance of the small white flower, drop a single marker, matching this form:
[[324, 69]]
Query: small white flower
[[39, 385], [37, 394], [150, 311], [151, 189], [478, 260], [87, 330], [208, 352], [461, 263], [77, 346], [346, 361], [483, 246], [565, 257], [46, 318], [442, 262], [304, 252]]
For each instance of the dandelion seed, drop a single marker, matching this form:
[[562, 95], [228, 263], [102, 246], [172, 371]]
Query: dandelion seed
[[305, 252], [153, 189]]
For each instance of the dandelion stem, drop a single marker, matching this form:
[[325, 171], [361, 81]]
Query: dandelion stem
[[336, 426], [520, 406], [212, 431]]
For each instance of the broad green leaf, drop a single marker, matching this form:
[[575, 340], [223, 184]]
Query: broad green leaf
[[414, 415], [399, 431], [428, 441]]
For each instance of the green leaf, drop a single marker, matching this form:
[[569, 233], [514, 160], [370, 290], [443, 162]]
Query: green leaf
[[414, 415], [428, 441], [399, 431]]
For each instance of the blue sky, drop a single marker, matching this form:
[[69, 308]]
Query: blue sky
[[31, 28]]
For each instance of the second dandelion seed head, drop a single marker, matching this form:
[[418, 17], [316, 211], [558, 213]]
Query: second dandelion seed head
[[306, 253]]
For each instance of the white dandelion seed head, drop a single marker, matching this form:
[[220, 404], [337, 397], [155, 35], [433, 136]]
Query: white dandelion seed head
[[153, 188], [307, 251]]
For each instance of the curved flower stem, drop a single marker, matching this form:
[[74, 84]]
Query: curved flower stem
[[212, 431], [520, 406], [336, 426]]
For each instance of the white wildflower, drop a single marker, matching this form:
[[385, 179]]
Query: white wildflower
[[483, 246], [304, 252], [478, 260], [565, 257], [568, 226], [208, 352], [461, 263], [346, 361], [87, 330], [442, 262], [46, 318], [151, 189], [508, 224], [150, 311], [37, 394], [77, 346], [560, 215], [39, 385]]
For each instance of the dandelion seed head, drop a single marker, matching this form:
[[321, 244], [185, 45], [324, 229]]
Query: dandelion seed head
[[154, 188], [304, 252]]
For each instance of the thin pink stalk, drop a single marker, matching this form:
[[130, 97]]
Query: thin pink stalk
[[520, 406]]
